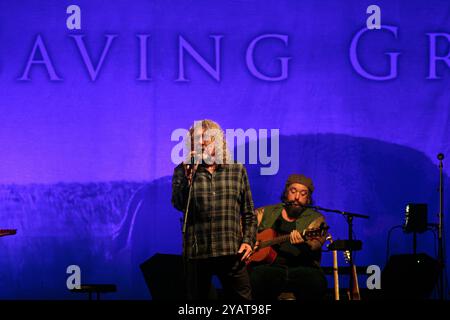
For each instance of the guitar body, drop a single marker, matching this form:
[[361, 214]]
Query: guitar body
[[267, 238], [266, 254]]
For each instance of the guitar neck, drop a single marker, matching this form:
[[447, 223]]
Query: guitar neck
[[274, 241], [307, 234]]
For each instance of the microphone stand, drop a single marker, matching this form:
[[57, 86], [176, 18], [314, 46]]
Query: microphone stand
[[186, 211], [349, 218], [441, 253], [186, 215]]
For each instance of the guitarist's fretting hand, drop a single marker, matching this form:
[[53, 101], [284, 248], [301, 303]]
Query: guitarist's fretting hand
[[296, 238]]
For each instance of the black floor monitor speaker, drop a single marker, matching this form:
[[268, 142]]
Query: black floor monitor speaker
[[163, 275], [409, 276]]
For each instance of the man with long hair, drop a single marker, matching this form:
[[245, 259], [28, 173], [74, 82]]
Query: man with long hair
[[221, 223]]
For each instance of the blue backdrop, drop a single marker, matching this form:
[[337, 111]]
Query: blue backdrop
[[87, 117]]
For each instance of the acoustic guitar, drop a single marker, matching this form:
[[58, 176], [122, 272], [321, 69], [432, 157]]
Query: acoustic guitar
[[267, 238]]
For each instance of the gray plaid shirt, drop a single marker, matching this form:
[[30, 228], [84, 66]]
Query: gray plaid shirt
[[221, 215]]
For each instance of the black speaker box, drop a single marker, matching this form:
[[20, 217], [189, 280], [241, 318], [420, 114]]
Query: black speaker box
[[409, 276], [164, 276]]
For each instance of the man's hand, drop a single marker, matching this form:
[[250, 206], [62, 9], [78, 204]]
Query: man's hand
[[245, 250], [296, 238]]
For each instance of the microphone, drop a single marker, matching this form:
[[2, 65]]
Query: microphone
[[293, 203], [304, 206], [196, 159], [440, 156], [288, 203], [191, 167]]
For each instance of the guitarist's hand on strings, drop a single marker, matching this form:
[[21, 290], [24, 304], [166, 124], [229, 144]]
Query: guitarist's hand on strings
[[296, 238], [245, 250]]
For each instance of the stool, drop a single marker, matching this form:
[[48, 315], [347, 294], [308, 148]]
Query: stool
[[96, 288]]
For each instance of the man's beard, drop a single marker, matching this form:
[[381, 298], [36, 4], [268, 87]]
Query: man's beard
[[294, 211]]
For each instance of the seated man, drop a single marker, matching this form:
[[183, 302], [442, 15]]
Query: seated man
[[296, 267]]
